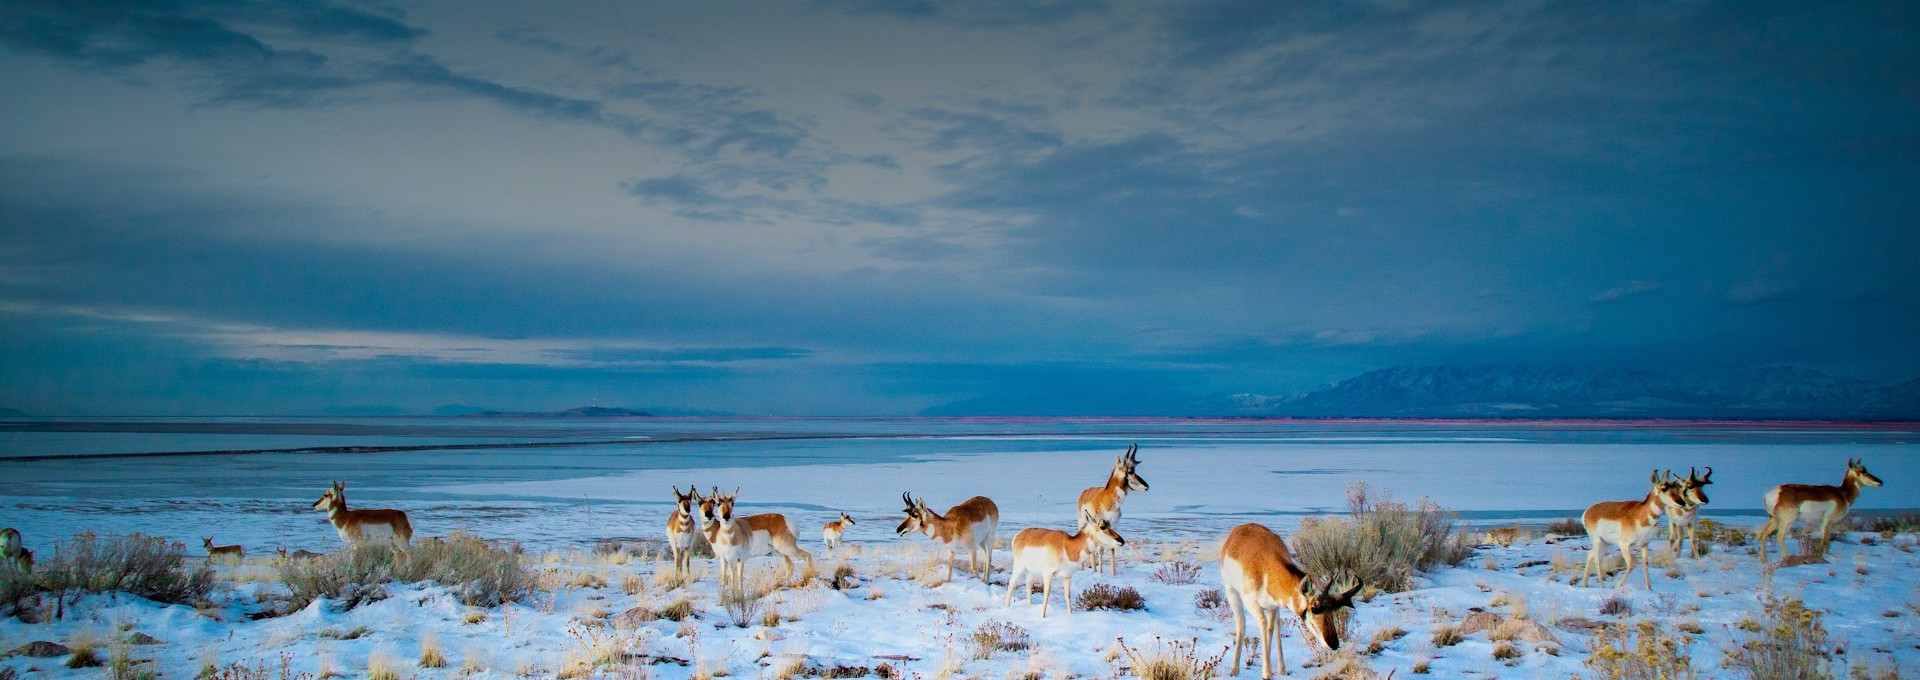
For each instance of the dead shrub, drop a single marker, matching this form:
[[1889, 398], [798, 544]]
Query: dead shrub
[[1104, 596], [483, 574], [1380, 543], [1639, 651], [1176, 573], [1171, 660]]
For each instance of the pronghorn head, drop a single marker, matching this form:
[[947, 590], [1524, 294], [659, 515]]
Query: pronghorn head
[[1857, 472], [1696, 486], [719, 509], [686, 501], [845, 519], [1671, 490], [207, 541], [709, 506], [334, 497], [1317, 611], [916, 515], [1126, 469], [1101, 530]]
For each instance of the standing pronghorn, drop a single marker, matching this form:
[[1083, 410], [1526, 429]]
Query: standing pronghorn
[[735, 540], [1258, 576], [13, 550], [1683, 521], [971, 524], [357, 526], [215, 552], [1788, 502], [681, 526], [1047, 552], [831, 533], [1104, 501], [1628, 524]]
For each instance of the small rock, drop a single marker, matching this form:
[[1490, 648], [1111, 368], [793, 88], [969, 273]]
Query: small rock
[[139, 638], [766, 635], [1532, 632], [1580, 624], [41, 649], [632, 618], [1801, 560], [1479, 621]]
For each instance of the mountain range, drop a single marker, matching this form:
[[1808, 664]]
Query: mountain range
[[1523, 392]]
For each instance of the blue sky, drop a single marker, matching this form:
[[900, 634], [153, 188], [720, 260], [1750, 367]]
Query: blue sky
[[872, 207]]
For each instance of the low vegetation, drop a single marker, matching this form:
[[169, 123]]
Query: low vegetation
[[481, 574], [1176, 573], [1789, 642], [1381, 543], [1105, 596], [998, 636], [147, 566], [1171, 660], [1639, 651]]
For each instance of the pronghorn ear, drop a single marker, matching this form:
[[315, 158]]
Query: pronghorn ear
[[1656, 477]]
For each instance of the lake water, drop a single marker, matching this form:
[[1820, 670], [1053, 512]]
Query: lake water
[[551, 482]]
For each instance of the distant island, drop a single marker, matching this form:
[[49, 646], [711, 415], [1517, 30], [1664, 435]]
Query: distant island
[[576, 412]]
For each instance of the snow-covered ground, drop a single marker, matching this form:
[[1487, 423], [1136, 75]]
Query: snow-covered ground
[[898, 611], [1205, 477]]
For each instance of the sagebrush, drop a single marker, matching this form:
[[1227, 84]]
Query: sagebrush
[[481, 574], [147, 566], [1380, 543]]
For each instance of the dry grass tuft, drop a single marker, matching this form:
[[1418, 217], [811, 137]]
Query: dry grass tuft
[[998, 636], [382, 666], [430, 654], [1447, 635], [1639, 651], [1171, 660]]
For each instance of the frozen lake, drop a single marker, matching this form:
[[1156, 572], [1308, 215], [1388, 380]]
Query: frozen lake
[[550, 482]]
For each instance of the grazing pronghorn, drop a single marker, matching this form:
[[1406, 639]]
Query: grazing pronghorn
[[1104, 501], [1628, 524], [13, 550], [1047, 552], [681, 526], [297, 555], [1683, 522], [1258, 577], [215, 552], [357, 526], [1787, 503], [736, 539], [831, 533], [971, 524]]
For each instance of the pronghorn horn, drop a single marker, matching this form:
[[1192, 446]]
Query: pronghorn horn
[[907, 496], [1709, 476], [1656, 477]]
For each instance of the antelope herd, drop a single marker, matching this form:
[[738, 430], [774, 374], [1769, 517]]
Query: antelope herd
[[1259, 576]]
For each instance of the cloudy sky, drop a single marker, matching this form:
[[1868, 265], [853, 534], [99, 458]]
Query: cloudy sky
[[879, 206]]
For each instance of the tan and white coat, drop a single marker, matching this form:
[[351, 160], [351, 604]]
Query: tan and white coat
[[1258, 577], [1628, 524], [970, 525], [1104, 501], [361, 527], [737, 539], [1787, 503], [1051, 552]]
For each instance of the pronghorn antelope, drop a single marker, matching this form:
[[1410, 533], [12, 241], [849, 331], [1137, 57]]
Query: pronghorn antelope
[[971, 524], [831, 533], [1787, 503], [681, 526], [357, 526], [1047, 552], [736, 539], [1628, 524], [13, 551], [299, 555], [215, 552], [1104, 501], [1683, 522], [1258, 577]]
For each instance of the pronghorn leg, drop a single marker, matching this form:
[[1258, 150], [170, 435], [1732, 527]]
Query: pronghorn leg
[[1626, 553], [950, 559], [1239, 626], [1592, 564], [1271, 639], [1068, 580], [1785, 527], [1645, 567], [1766, 534], [1013, 579], [1826, 531], [1046, 593]]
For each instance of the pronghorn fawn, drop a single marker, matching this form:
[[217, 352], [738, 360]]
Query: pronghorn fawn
[[13, 550], [297, 555], [1049, 552], [736, 539], [1258, 577], [971, 525], [1683, 522], [1104, 501], [1628, 524], [358, 527], [831, 533], [1788, 503], [215, 552], [681, 526]]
